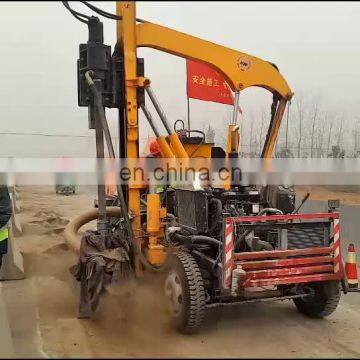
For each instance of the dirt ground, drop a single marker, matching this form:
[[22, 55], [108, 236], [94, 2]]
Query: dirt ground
[[43, 307], [348, 195]]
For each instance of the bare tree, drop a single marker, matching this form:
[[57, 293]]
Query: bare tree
[[355, 136], [340, 132], [320, 135], [251, 134], [314, 118], [221, 134], [329, 137], [210, 134], [355, 133], [300, 107], [262, 128]]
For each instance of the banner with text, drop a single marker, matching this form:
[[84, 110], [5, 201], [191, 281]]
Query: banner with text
[[204, 83]]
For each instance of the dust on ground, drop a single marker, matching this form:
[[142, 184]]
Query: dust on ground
[[134, 323]]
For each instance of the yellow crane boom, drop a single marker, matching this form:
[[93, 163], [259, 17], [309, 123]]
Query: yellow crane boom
[[240, 70]]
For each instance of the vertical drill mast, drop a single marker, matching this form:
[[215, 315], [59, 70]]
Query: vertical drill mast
[[126, 38]]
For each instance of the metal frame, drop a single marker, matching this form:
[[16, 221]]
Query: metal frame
[[239, 69], [280, 267]]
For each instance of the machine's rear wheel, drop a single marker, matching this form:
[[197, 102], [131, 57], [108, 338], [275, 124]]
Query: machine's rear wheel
[[185, 293], [323, 301]]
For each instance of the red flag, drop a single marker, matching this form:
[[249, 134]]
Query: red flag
[[204, 83]]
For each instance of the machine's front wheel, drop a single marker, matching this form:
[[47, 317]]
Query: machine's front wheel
[[323, 301], [184, 290]]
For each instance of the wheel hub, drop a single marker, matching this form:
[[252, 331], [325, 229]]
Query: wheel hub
[[174, 293], [309, 293]]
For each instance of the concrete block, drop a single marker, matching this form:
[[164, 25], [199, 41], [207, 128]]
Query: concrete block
[[14, 190], [16, 203], [6, 344], [15, 222], [17, 193]]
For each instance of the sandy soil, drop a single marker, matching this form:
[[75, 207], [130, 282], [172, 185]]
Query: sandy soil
[[134, 324]]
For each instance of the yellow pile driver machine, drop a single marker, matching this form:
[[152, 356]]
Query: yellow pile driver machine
[[217, 245]]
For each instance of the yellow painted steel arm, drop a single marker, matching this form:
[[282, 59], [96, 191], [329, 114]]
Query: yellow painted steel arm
[[239, 69]]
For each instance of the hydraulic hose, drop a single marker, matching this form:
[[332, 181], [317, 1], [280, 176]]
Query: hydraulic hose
[[217, 216], [73, 240], [270, 210], [205, 239], [124, 210], [190, 239], [72, 228]]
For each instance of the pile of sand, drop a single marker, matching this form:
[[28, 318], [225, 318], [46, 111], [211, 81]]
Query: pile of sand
[[47, 219], [42, 231]]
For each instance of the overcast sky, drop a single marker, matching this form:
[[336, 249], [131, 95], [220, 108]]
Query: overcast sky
[[315, 44]]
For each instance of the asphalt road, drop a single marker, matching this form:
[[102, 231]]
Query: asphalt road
[[349, 222]]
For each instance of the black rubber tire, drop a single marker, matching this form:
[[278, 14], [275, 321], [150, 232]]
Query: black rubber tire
[[192, 311], [324, 302]]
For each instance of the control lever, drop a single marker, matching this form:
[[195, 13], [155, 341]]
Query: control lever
[[301, 204]]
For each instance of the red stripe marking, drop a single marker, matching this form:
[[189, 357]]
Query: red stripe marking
[[290, 280], [279, 253], [229, 247], [339, 261], [229, 229], [334, 215], [229, 264], [264, 264], [260, 274]]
